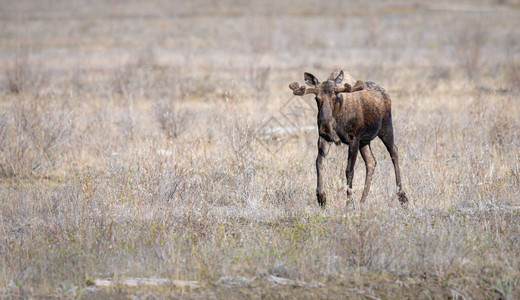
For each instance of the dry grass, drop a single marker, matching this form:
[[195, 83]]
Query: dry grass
[[129, 148]]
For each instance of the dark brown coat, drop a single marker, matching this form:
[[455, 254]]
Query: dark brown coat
[[353, 115]]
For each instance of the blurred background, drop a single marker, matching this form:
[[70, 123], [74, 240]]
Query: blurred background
[[206, 47]]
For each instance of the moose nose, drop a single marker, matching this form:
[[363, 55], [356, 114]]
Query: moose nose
[[327, 126]]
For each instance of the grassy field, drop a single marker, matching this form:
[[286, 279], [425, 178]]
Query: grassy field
[[132, 145]]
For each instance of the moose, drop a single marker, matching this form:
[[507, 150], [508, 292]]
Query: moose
[[353, 115]]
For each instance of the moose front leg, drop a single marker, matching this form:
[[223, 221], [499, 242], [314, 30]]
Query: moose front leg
[[323, 150], [353, 149]]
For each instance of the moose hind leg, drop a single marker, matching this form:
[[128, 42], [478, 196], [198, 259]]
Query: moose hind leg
[[370, 165], [388, 140], [323, 150]]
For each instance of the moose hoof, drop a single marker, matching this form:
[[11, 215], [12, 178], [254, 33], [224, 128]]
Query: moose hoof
[[350, 205], [322, 200], [403, 199]]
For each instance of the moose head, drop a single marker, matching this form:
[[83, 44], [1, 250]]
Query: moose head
[[326, 95], [332, 85]]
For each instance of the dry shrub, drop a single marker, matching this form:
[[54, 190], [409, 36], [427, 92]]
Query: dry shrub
[[24, 76], [241, 157], [439, 74], [173, 121], [374, 28], [189, 84], [468, 42], [513, 74], [151, 178], [258, 79], [240, 142], [513, 62], [133, 78], [33, 134], [260, 41], [143, 76]]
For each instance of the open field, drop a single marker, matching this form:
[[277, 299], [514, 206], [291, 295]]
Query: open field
[[133, 145]]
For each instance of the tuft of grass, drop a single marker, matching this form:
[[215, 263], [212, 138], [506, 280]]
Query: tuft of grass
[[33, 136]]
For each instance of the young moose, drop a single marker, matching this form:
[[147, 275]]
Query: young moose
[[353, 115]]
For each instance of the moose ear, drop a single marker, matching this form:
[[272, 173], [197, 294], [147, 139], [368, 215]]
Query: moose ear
[[358, 86], [339, 78], [310, 79]]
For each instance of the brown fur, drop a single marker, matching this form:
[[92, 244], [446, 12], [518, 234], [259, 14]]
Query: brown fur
[[353, 115]]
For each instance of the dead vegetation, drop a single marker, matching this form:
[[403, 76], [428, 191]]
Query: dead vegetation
[[130, 148]]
